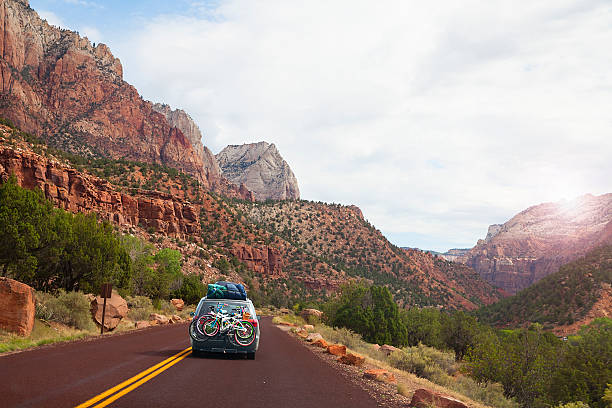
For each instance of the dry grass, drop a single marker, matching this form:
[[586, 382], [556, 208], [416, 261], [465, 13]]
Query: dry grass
[[43, 333]]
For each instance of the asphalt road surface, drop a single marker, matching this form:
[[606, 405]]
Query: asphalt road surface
[[162, 372]]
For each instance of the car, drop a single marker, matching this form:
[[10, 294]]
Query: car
[[223, 342]]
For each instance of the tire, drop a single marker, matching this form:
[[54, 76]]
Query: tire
[[208, 326], [193, 331], [247, 337], [251, 356]]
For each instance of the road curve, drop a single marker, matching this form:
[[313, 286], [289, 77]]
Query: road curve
[[283, 374]]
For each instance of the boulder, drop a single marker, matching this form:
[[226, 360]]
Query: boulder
[[312, 337], [176, 318], [142, 324], [178, 304], [423, 398], [308, 327], [16, 307], [387, 349], [116, 309], [336, 349], [376, 347], [309, 314], [379, 375], [284, 310], [158, 318], [287, 324], [320, 343], [302, 333], [352, 359]]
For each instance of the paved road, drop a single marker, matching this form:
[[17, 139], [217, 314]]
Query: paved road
[[283, 374]]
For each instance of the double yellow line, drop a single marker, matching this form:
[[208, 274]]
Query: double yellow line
[[134, 382]]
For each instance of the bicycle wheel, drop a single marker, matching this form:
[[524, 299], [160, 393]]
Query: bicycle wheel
[[245, 335], [208, 326]]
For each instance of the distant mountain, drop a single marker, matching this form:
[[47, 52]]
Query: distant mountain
[[61, 87], [261, 168], [535, 242], [575, 295], [340, 237], [452, 255]]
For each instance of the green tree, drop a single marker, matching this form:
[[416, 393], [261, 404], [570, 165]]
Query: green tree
[[458, 332], [25, 228], [371, 312], [191, 290], [587, 366]]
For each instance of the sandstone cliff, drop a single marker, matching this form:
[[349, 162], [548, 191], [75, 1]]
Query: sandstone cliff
[[260, 167], [535, 242], [57, 85], [182, 121]]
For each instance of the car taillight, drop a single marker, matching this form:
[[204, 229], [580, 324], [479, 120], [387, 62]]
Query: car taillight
[[253, 322]]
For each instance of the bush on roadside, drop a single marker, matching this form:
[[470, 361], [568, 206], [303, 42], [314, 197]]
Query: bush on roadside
[[140, 307], [69, 308]]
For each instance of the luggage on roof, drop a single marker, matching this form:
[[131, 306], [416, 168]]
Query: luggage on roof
[[226, 290]]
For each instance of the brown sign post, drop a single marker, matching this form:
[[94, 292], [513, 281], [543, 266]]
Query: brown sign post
[[105, 292]]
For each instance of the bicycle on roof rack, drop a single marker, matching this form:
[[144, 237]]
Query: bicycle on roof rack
[[233, 323]]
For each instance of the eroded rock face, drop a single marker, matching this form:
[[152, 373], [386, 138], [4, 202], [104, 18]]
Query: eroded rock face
[[537, 241], [116, 309], [57, 85], [264, 260], [424, 398], [182, 121], [16, 307], [79, 192], [259, 167]]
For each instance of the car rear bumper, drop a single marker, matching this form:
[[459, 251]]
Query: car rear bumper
[[222, 344]]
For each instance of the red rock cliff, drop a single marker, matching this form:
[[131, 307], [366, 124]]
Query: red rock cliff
[[78, 192], [57, 85], [264, 260], [537, 241]]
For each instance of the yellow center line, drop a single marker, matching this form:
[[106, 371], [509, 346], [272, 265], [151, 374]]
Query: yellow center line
[[127, 382], [139, 383]]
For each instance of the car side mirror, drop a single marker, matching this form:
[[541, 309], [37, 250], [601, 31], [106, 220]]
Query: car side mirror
[[258, 317], [191, 314]]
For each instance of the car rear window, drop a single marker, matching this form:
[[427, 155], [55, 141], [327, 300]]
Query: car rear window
[[226, 306]]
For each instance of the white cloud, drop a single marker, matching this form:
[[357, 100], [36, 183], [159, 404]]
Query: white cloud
[[435, 119]]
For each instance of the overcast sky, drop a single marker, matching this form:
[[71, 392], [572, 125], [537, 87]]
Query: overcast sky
[[436, 118]]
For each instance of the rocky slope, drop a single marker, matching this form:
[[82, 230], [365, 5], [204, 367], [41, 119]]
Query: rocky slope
[[578, 293], [59, 86], [260, 167], [340, 237], [537, 241], [286, 249]]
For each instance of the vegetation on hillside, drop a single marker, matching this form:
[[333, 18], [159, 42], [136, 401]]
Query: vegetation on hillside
[[339, 237], [51, 249], [534, 367], [561, 298]]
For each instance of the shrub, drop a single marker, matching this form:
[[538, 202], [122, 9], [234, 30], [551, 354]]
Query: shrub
[[69, 308], [140, 307]]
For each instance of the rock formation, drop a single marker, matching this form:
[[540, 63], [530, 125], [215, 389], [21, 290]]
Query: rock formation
[[16, 307], [79, 192], [260, 167], [116, 309], [265, 260], [57, 85], [182, 121], [535, 242]]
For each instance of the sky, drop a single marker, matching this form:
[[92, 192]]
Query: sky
[[435, 118]]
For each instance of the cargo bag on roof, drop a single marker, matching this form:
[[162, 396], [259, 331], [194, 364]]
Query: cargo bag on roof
[[233, 290], [216, 291]]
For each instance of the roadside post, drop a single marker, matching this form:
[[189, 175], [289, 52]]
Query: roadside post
[[105, 292]]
